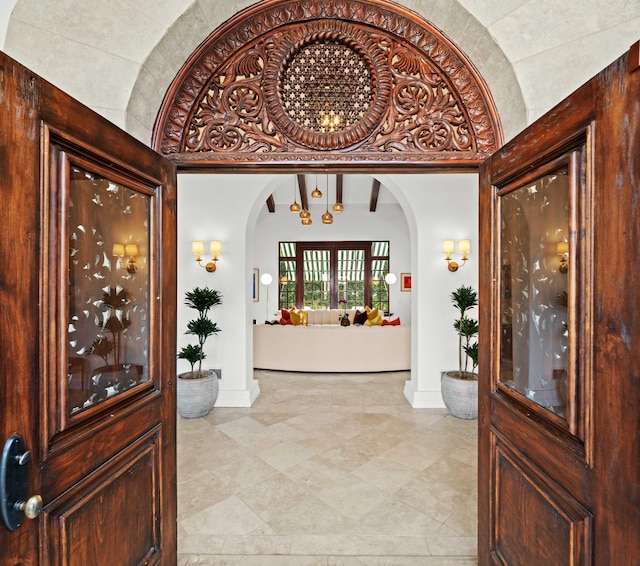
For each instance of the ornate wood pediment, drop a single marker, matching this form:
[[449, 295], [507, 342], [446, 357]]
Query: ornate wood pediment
[[330, 81]]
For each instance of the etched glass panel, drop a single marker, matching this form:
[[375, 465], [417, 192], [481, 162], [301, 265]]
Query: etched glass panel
[[534, 224], [108, 299]]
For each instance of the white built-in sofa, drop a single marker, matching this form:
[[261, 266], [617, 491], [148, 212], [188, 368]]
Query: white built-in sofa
[[325, 346]]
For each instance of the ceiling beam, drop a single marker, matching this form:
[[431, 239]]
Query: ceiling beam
[[375, 191], [271, 204], [302, 186]]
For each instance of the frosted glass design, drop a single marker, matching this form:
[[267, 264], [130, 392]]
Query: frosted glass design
[[534, 220], [108, 298]]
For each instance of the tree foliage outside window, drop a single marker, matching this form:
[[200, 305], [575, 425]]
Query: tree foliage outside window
[[324, 275]]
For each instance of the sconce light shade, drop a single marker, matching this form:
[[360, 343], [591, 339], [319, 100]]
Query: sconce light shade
[[266, 279], [131, 250], [197, 248], [563, 248], [215, 248], [464, 246], [448, 246], [390, 278], [118, 250]]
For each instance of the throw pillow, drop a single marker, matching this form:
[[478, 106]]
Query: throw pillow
[[295, 318], [360, 317], [394, 322], [285, 314], [372, 314], [377, 321], [284, 322]]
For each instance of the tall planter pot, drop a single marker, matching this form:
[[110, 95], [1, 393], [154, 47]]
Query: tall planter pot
[[196, 397], [460, 395]]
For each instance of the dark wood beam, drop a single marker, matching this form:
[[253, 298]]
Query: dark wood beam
[[271, 204], [375, 191], [302, 187], [339, 180]]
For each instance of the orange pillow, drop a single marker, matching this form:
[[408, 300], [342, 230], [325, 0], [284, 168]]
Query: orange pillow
[[394, 322]]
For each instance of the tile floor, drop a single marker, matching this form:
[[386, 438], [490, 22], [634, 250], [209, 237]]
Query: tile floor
[[324, 470]]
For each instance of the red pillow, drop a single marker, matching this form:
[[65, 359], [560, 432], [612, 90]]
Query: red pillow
[[285, 315], [394, 322], [360, 317], [285, 321]]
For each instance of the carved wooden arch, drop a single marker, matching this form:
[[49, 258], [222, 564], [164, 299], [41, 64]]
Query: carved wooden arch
[[351, 82]]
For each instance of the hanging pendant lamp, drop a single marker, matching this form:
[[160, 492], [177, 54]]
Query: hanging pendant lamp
[[295, 207], [327, 217], [316, 193]]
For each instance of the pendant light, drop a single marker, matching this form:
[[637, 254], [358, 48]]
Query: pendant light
[[327, 217], [316, 193], [295, 207]]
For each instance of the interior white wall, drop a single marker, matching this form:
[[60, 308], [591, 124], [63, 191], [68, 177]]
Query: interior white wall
[[438, 207], [228, 208]]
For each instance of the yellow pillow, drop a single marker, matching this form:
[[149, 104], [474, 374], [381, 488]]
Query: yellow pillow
[[295, 317], [372, 313], [377, 321]]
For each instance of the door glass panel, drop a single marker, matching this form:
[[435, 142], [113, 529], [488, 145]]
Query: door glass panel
[[534, 224], [108, 300]]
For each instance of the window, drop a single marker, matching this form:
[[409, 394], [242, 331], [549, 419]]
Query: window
[[323, 275]]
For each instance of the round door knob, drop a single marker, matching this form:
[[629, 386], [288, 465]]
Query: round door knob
[[31, 507]]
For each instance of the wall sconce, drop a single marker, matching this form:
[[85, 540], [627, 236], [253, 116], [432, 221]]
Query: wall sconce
[[215, 248], [562, 250], [448, 247], [130, 250]]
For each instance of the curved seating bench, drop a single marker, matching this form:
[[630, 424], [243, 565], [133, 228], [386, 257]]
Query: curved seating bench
[[332, 348]]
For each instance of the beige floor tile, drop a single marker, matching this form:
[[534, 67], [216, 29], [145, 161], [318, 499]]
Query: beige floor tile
[[327, 470], [229, 517]]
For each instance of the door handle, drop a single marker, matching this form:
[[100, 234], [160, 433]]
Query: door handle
[[14, 484]]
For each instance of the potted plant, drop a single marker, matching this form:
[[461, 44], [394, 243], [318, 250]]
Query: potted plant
[[198, 388], [460, 388]]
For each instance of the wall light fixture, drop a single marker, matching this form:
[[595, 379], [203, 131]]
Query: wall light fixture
[[215, 248], [130, 250], [448, 247], [562, 250]]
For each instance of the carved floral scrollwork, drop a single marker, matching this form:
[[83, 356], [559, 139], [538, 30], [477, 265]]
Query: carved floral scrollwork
[[424, 101]]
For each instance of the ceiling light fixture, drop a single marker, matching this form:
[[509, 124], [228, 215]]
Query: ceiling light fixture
[[316, 193], [295, 207], [327, 217]]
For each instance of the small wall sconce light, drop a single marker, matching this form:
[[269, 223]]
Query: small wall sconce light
[[130, 250], [448, 247], [215, 248], [562, 250]]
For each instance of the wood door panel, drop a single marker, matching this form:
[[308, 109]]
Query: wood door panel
[[536, 521], [125, 493], [542, 445], [74, 456], [551, 493], [104, 466]]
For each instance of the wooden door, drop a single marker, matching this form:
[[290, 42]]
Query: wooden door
[[560, 333], [87, 343]]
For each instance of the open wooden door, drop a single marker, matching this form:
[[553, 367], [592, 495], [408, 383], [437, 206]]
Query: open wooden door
[[560, 323], [87, 335]]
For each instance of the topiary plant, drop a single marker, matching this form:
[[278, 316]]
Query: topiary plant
[[464, 299], [201, 299]]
